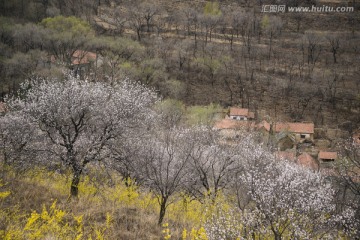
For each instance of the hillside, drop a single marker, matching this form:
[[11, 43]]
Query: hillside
[[207, 120], [289, 66], [227, 59]]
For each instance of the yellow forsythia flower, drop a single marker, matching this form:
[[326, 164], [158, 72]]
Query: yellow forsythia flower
[[184, 234]]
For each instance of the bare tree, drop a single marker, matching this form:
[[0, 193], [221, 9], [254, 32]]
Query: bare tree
[[209, 64], [213, 164], [350, 168], [312, 44], [209, 23], [142, 15], [136, 21], [189, 17], [298, 17], [348, 171], [248, 27], [120, 21], [149, 12], [64, 36], [7, 33], [192, 23], [116, 51], [162, 164], [182, 54], [272, 27], [23, 65], [29, 37], [230, 27], [334, 43]]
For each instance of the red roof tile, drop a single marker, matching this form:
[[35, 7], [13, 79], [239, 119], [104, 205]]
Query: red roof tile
[[327, 155], [294, 127], [290, 127], [82, 57], [264, 124], [234, 111], [79, 57]]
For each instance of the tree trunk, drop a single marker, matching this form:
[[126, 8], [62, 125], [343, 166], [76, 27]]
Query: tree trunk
[[138, 33], [74, 189], [163, 201], [334, 55], [277, 235], [270, 46]]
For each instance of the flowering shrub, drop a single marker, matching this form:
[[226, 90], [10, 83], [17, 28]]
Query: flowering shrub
[[52, 223]]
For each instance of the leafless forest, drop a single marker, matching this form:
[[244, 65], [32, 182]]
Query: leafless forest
[[298, 66]]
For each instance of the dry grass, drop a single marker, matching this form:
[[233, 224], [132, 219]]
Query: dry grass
[[102, 217]]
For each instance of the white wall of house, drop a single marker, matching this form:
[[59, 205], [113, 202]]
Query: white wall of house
[[238, 117], [303, 136]]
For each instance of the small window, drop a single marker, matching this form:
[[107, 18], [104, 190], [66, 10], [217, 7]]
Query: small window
[[302, 136], [327, 160], [234, 117]]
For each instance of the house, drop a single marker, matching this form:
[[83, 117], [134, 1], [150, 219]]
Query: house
[[81, 61], [80, 57], [263, 126], [264, 129], [238, 119], [288, 133], [302, 131], [229, 128], [241, 114], [306, 160], [325, 156]]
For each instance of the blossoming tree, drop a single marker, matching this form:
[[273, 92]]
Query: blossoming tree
[[76, 122]]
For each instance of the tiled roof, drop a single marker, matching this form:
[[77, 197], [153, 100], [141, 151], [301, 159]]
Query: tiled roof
[[78, 57], [233, 124], [308, 161], [234, 111], [295, 127], [327, 155], [290, 127], [264, 124], [82, 57]]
